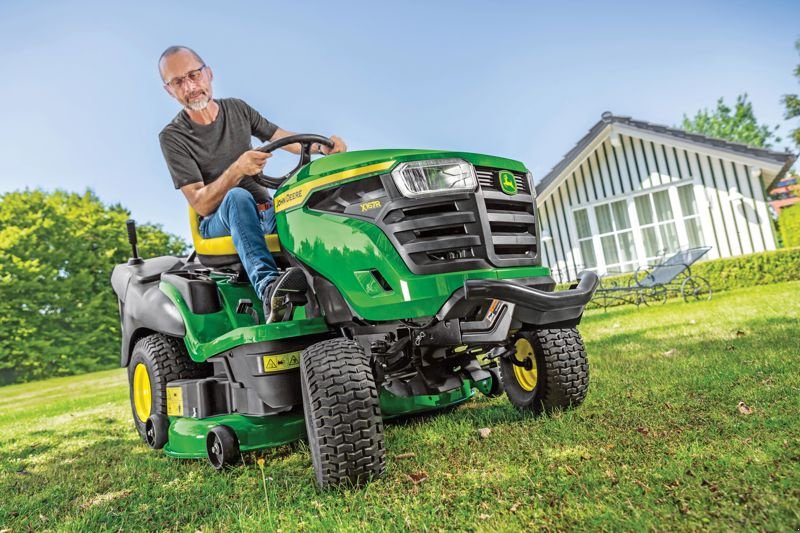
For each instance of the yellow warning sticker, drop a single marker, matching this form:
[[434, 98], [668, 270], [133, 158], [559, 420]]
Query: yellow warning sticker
[[279, 362], [174, 401]]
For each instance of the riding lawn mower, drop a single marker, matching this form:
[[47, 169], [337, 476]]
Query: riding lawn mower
[[424, 285]]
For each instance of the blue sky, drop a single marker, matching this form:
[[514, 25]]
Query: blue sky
[[83, 103]]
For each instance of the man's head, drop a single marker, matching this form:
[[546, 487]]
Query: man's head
[[186, 77]]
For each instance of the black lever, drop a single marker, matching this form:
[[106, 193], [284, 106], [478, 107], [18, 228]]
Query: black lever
[[245, 306], [135, 259]]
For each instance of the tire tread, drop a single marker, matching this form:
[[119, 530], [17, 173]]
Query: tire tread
[[344, 410], [563, 372], [169, 361]]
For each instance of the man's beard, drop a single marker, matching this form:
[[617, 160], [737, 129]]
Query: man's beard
[[198, 105]]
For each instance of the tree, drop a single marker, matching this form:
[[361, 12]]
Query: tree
[[58, 313], [792, 102], [738, 124]]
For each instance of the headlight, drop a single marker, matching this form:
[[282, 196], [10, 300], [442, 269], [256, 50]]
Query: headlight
[[424, 178]]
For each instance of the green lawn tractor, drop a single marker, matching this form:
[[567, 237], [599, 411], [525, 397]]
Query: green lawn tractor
[[425, 285]]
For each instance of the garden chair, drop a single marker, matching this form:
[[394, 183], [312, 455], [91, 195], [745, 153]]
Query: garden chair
[[655, 283]]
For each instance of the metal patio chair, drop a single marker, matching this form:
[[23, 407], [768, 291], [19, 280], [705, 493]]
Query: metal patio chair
[[655, 283]]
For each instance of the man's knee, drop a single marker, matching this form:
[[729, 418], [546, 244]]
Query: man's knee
[[238, 197]]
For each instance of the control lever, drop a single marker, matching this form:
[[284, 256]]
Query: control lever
[[135, 259], [245, 306]]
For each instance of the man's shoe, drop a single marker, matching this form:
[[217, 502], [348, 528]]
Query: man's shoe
[[276, 295]]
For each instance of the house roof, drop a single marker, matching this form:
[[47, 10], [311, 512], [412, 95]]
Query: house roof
[[608, 118]]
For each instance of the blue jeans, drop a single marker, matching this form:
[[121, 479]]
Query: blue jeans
[[239, 217]]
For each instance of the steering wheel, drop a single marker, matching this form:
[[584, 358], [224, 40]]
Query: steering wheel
[[305, 140]]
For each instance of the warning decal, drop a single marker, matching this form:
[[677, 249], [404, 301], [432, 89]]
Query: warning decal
[[284, 361], [174, 401]]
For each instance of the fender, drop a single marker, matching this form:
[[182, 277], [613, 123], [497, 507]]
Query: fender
[[143, 308]]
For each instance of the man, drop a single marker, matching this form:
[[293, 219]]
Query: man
[[208, 150]]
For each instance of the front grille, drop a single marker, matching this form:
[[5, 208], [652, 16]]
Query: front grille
[[511, 220], [489, 179], [449, 233], [436, 234]]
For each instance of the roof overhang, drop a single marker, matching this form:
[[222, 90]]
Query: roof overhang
[[772, 165]]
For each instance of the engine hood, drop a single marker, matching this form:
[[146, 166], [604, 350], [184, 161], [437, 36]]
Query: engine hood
[[352, 160]]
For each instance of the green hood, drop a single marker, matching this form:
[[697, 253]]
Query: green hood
[[339, 162]]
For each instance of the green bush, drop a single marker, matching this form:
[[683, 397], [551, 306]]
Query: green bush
[[790, 226], [736, 272], [58, 314], [750, 270]]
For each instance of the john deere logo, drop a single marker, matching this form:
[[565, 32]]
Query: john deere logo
[[508, 183]]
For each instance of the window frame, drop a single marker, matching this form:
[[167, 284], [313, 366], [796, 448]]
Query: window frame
[[641, 258]]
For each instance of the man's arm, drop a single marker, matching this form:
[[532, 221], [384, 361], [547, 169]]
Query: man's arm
[[206, 198], [266, 130], [338, 144]]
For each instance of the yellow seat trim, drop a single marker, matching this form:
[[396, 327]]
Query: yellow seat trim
[[222, 245]]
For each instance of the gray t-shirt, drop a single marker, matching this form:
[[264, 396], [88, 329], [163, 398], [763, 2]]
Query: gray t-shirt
[[200, 153]]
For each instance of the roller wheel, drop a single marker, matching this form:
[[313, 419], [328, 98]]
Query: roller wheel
[[222, 447], [156, 431], [497, 382]]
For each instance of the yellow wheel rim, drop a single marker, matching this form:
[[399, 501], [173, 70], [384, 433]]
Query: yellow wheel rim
[[525, 378], [142, 398]]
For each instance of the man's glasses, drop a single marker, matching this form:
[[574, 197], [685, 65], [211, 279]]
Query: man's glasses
[[193, 75]]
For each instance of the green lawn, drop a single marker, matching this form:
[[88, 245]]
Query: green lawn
[[659, 444]]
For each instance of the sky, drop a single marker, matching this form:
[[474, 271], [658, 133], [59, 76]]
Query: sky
[[83, 103]]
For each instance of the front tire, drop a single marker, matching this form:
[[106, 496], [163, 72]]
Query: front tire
[[553, 372], [155, 361], [342, 413]]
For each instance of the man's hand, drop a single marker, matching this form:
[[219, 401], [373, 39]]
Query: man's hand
[[251, 163], [338, 146]]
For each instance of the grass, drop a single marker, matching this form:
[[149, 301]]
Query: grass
[[659, 444]]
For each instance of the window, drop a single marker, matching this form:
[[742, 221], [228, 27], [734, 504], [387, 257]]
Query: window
[[691, 218], [614, 233], [585, 239], [656, 224], [616, 236]]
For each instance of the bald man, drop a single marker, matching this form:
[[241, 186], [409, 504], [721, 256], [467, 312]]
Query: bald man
[[208, 150]]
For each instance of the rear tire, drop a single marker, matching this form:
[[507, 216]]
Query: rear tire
[[155, 361], [556, 375], [342, 412]]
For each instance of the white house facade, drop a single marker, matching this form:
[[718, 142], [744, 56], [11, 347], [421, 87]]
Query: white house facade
[[631, 190]]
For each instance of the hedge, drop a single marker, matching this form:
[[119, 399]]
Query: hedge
[[750, 270], [790, 225], [736, 272]]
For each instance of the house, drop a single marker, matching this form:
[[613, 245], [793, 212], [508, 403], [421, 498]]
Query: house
[[631, 190], [786, 192]]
